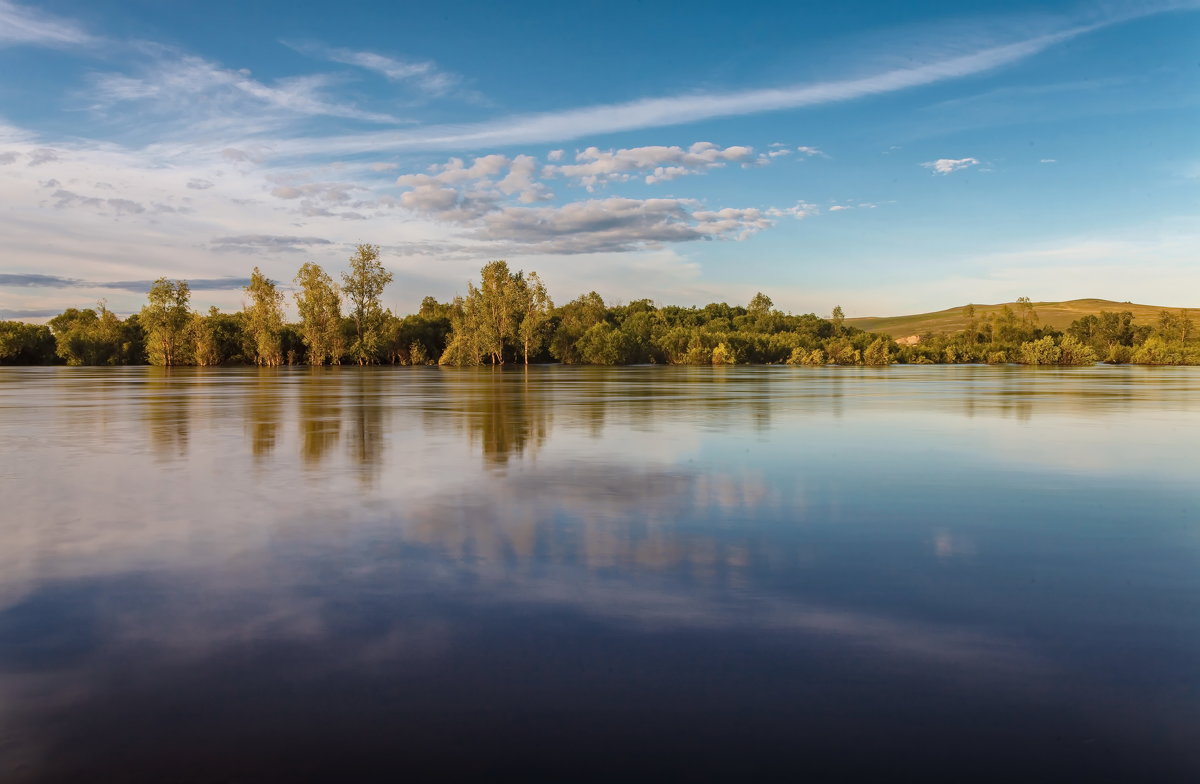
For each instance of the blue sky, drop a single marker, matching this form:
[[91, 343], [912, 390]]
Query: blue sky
[[888, 157]]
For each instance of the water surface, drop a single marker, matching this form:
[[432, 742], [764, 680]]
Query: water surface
[[577, 573]]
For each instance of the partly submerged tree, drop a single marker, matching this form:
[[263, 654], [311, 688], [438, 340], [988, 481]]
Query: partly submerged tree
[[166, 318], [536, 309], [320, 305], [363, 286], [496, 306], [505, 315], [93, 337], [264, 319]]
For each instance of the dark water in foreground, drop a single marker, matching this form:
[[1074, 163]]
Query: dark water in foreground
[[747, 573]]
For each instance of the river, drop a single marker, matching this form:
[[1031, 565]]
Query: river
[[957, 572]]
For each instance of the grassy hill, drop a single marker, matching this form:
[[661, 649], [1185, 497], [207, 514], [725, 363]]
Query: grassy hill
[[1056, 314]]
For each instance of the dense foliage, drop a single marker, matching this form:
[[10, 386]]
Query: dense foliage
[[1018, 336], [510, 317]]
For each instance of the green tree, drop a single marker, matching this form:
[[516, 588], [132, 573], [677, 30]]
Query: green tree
[[363, 286], [90, 337], [760, 305], [206, 344], [264, 319], [166, 318], [838, 320], [26, 344], [535, 309], [462, 349], [1040, 352], [320, 305], [722, 354], [878, 353], [496, 309], [1116, 329], [574, 319], [1026, 313], [1072, 351], [1175, 326]]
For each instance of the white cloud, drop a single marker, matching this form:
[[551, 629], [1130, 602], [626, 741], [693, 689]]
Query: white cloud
[[811, 151], [840, 207], [23, 25], [1048, 160], [616, 225], [488, 198], [799, 211], [595, 167], [948, 165]]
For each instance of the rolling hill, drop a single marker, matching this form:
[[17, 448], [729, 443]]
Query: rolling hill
[[1056, 314]]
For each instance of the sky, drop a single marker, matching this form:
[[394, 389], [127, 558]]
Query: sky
[[886, 157]]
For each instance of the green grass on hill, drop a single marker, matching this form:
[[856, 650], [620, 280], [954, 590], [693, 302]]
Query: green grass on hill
[[1056, 314]]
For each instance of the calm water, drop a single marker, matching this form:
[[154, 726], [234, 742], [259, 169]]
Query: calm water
[[956, 572]]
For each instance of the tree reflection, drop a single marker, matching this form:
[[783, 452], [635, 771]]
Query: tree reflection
[[505, 412], [366, 418], [320, 413], [166, 405], [262, 411]]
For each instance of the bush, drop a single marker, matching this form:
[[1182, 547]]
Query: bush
[[1040, 352], [1073, 352]]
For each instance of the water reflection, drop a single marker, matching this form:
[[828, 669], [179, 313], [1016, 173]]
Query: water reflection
[[506, 414], [167, 412], [263, 401], [320, 414], [365, 413], [512, 570]]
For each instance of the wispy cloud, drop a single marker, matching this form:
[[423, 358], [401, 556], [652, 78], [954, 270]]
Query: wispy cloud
[[34, 280], [424, 75], [23, 25], [268, 242], [677, 110], [202, 95]]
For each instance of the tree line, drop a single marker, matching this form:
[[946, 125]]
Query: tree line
[[509, 317], [1018, 336]]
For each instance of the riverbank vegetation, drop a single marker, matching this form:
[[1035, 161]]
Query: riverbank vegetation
[[509, 317]]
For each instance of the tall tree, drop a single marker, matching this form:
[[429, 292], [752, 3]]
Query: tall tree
[[264, 319], [166, 318], [462, 349], [320, 306], [363, 285], [206, 347], [536, 309], [496, 305], [760, 305], [838, 319]]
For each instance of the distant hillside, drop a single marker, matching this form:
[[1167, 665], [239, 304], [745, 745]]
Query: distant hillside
[[1056, 314]]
